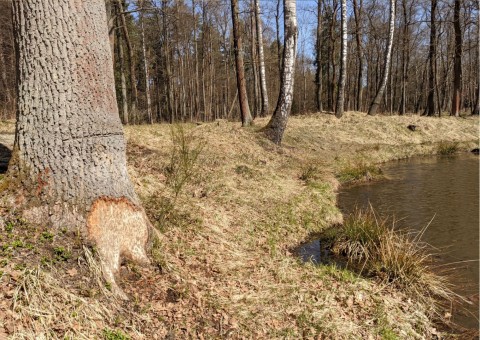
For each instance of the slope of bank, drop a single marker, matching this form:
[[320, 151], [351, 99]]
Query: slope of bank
[[231, 207]]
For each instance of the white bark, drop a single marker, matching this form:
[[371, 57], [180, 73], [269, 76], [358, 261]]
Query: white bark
[[261, 57], [145, 66], [386, 66], [278, 123]]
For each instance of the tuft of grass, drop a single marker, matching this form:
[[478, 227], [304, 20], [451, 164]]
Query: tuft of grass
[[447, 148], [398, 257], [360, 171], [109, 334]]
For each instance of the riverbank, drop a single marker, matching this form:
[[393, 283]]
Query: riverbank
[[229, 219]]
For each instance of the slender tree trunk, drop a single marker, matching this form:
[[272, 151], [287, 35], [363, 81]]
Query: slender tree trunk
[[279, 48], [318, 58], [123, 83], [241, 82], [69, 142], [133, 80], [432, 57], [388, 56], [457, 67], [145, 66], [278, 122], [476, 110], [358, 36], [253, 51], [261, 57], [339, 107]]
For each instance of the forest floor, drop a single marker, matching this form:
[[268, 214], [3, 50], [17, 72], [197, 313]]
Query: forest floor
[[231, 208]]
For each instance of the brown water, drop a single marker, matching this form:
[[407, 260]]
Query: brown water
[[443, 190]]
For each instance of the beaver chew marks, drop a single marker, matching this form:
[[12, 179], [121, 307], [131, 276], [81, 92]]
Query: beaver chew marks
[[118, 228]]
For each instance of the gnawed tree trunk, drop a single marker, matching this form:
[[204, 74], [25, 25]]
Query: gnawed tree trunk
[[457, 63], [277, 124], [343, 64], [432, 58], [318, 58], [241, 82], [261, 57], [69, 144], [386, 66]]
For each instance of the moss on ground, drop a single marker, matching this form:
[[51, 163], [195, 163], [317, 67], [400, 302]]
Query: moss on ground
[[222, 262]]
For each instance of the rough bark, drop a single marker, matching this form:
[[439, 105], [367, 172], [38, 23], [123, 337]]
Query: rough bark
[[241, 82], [386, 66], [69, 144], [457, 63], [261, 57], [405, 58], [343, 64], [318, 58], [476, 110], [277, 124], [432, 58]]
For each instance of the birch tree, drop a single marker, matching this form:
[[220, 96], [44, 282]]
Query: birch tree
[[241, 82], [277, 124], [386, 66], [343, 64], [261, 57], [69, 146]]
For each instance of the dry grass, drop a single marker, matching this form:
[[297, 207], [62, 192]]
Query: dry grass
[[223, 261], [399, 257]]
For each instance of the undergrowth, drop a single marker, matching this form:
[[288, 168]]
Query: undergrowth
[[358, 172], [447, 148]]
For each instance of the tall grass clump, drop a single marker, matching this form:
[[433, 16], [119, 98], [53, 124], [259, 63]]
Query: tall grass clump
[[358, 172], [374, 247], [447, 148]]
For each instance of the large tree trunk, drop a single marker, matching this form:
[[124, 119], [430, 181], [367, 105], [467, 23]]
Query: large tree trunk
[[457, 63], [69, 144], [261, 57], [343, 64], [318, 58], [476, 110], [277, 124], [241, 82], [432, 58], [386, 66]]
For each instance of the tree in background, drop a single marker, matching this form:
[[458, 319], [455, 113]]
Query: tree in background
[[241, 82], [261, 57], [386, 66], [69, 145], [277, 124], [432, 61], [343, 64], [457, 62]]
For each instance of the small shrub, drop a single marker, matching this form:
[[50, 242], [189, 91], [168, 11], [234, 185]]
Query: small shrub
[[447, 148], [46, 235], [61, 254], [183, 159]]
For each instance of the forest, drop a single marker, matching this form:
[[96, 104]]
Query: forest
[[231, 169], [175, 61]]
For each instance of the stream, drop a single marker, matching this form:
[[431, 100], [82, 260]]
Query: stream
[[441, 192]]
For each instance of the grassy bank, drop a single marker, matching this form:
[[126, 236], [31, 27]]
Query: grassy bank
[[231, 207]]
